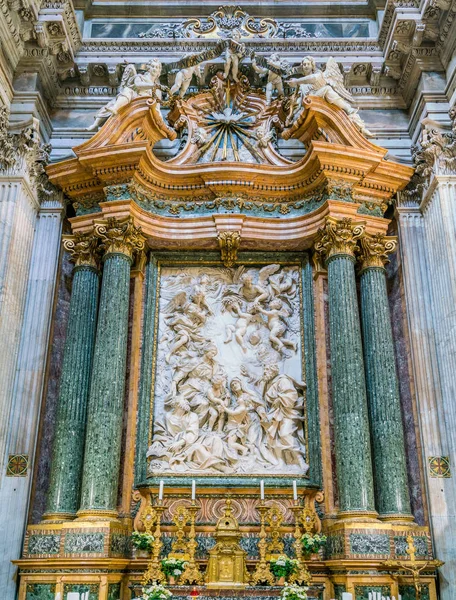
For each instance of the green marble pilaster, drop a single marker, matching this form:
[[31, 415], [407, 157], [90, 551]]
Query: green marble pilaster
[[105, 409], [147, 368], [68, 451], [314, 441], [390, 471], [337, 243]]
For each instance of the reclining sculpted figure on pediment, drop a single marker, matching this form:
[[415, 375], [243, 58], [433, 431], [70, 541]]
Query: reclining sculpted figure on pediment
[[327, 84]]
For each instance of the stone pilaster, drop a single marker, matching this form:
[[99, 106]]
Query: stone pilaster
[[337, 243], [387, 434], [120, 240], [68, 451]]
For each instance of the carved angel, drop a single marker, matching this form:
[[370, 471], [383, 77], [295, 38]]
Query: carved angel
[[276, 313], [184, 78], [131, 86], [233, 55], [260, 291], [274, 79], [329, 84]]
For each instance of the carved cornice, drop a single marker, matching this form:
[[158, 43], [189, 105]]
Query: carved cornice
[[375, 249], [338, 237], [229, 242], [120, 152], [83, 248], [119, 236]]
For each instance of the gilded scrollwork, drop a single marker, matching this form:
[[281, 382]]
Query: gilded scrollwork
[[229, 242]]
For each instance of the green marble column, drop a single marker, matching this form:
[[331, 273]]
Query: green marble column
[[390, 471], [147, 369], [337, 243], [105, 410], [68, 450]]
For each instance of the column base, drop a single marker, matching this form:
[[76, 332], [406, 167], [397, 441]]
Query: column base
[[398, 519], [97, 515], [58, 517], [358, 516]]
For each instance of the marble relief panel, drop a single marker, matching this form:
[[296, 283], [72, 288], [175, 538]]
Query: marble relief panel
[[229, 395]]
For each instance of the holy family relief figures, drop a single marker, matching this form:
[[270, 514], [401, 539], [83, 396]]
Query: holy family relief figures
[[229, 396]]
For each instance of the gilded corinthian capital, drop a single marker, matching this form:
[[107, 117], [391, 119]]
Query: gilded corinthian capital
[[119, 236], [375, 249], [338, 237], [83, 249]]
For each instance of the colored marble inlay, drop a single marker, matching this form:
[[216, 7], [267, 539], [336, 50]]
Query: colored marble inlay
[[81, 588], [114, 591], [334, 546], [44, 544], [439, 466], [407, 592], [361, 543], [362, 591], [120, 544], [420, 542], [17, 465], [40, 591], [84, 542]]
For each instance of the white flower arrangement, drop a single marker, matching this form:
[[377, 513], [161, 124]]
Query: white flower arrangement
[[294, 592], [155, 592]]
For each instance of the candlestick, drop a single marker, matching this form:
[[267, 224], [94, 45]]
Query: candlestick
[[160, 490], [193, 489], [295, 490], [262, 490]]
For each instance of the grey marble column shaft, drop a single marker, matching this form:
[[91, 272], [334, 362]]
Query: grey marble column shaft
[[390, 471], [68, 451]]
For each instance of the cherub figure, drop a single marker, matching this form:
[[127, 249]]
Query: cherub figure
[[233, 54], [274, 79], [329, 84], [243, 321], [184, 78], [276, 326]]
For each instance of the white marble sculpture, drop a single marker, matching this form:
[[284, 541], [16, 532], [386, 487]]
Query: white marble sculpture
[[228, 395], [328, 84], [274, 82], [234, 53], [132, 85], [184, 78]]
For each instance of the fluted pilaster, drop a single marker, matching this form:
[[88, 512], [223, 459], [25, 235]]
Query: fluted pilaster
[[337, 243], [390, 470], [120, 240], [68, 451]]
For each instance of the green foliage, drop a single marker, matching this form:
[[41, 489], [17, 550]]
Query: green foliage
[[155, 592], [283, 566], [311, 544], [173, 567], [142, 541], [294, 592]]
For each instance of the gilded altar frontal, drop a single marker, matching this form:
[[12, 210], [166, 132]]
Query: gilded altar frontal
[[227, 299]]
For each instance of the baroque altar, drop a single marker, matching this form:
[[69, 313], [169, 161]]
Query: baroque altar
[[224, 343]]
